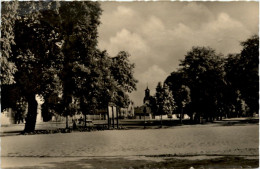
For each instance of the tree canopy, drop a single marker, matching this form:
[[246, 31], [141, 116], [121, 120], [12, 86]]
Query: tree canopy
[[51, 51], [213, 86], [164, 100]]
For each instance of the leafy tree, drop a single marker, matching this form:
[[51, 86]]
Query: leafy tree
[[9, 93], [20, 110], [12, 98], [87, 73], [181, 92], [74, 29], [90, 86], [248, 73], [184, 94], [159, 98], [116, 79], [164, 100], [51, 106], [55, 52], [153, 105], [232, 97], [35, 55], [242, 77], [122, 73], [205, 74], [77, 27], [8, 17], [168, 100]]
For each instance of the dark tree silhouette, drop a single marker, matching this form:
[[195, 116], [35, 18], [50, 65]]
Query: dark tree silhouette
[[204, 76], [164, 100], [249, 75], [180, 91], [53, 47]]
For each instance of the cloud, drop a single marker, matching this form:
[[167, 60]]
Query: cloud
[[125, 40], [193, 14], [152, 76], [224, 23], [224, 34], [152, 26], [124, 11], [115, 20], [158, 35]]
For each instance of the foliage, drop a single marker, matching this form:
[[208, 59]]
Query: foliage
[[77, 28], [8, 17], [232, 100], [53, 50], [242, 76], [248, 69], [35, 54], [122, 72], [164, 100], [180, 91], [124, 81], [217, 86], [204, 74]]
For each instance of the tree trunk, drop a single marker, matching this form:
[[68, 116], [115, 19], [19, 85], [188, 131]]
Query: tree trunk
[[117, 125], [181, 115], [113, 117], [67, 122], [85, 120], [191, 118], [32, 114], [161, 120], [144, 120], [108, 119]]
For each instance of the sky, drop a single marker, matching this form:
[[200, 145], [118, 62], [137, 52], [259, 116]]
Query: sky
[[159, 34]]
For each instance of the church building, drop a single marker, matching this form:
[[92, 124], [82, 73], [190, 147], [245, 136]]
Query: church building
[[147, 97], [145, 109]]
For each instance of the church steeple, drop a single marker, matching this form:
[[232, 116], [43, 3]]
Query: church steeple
[[147, 92], [147, 96]]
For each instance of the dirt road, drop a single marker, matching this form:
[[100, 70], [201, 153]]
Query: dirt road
[[153, 144]]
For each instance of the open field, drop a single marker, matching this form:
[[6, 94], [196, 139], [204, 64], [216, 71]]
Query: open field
[[210, 145]]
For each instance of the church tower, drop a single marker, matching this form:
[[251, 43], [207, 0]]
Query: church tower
[[147, 96]]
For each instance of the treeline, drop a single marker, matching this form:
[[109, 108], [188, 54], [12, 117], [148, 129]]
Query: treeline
[[50, 49], [213, 86]]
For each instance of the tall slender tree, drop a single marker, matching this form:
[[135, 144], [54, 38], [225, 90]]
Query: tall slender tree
[[77, 28], [164, 100]]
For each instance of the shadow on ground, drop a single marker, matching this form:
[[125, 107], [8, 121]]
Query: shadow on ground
[[166, 163], [136, 124]]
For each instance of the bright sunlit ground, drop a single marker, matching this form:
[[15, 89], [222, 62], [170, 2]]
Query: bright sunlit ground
[[135, 147]]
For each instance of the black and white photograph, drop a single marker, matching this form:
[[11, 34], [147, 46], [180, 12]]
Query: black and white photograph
[[129, 84]]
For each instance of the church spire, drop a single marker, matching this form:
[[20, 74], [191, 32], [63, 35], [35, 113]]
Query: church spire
[[147, 95], [147, 92]]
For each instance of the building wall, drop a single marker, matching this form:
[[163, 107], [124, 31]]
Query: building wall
[[7, 117]]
